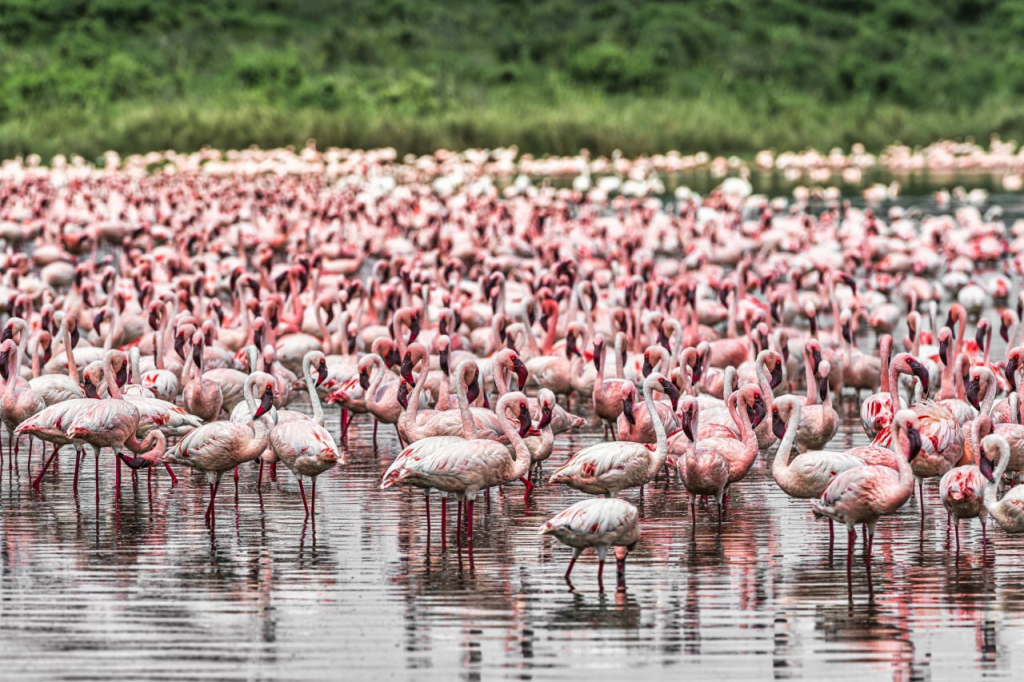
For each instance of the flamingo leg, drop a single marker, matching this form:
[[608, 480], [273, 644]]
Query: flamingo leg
[[236, 481], [117, 480], [867, 547], [96, 473], [46, 465], [211, 514], [851, 540], [529, 488], [831, 532], [469, 520], [303, 491], [444, 519], [426, 501], [78, 465], [620, 572], [572, 562], [259, 477], [312, 497], [174, 479], [458, 525], [375, 425], [720, 510], [956, 532], [600, 574], [273, 471], [984, 534], [693, 513]]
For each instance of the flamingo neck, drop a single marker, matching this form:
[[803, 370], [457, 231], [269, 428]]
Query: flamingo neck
[[992, 502], [765, 384], [780, 467], [894, 393], [948, 381], [812, 387], [314, 397], [988, 402], [375, 381], [886, 352], [468, 423], [108, 374], [661, 452]]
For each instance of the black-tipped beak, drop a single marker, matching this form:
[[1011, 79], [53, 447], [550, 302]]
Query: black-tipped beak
[[847, 332], [403, 395], [816, 356], [266, 402], [776, 375], [443, 360], [4, 371], [672, 391], [329, 313], [949, 320], [921, 373], [698, 369], [758, 412], [75, 337], [407, 369], [723, 295], [546, 413], [775, 313], [473, 390], [135, 462], [1004, 331], [522, 374], [598, 355], [570, 345], [122, 375], [97, 320], [778, 426], [524, 420], [648, 368], [544, 321], [364, 380], [943, 349], [979, 336], [627, 408], [414, 328], [90, 389], [914, 438], [1010, 372], [986, 468], [686, 418], [179, 345], [392, 358], [321, 374], [663, 339], [154, 320], [822, 388], [912, 333], [197, 355], [971, 389]]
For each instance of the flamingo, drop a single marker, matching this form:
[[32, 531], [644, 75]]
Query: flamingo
[[864, 494], [1007, 511], [600, 523], [703, 470], [221, 446], [18, 402]]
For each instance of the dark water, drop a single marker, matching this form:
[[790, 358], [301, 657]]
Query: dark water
[[147, 591]]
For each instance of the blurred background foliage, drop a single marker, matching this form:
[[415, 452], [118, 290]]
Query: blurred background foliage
[[549, 75]]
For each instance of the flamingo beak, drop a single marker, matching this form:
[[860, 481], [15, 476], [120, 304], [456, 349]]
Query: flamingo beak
[[663, 339], [522, 374], [698, 369], [414, 328], [4, 370], [776, 315], [627, 408], [122, 375], [971, 391], [266, 402], [986, 468], [90, 389], [785, 352], [776, 375], [403, 395], [816, 356], [75, 337], [546, 413], [672, 391], [524, 420], [407, 368], [598, 355], [364, 380], [914, 437], [822, 388], [757, 413], [97, 320], [179, 345], [979, 336], [197, 355], [473, 390], [723, 295], [321, 375], [570, 345], [135, 462], [778, 426], [943, 349], [648, 368], [443, 360], [391, 358], [687, 422], [1010, 372], [921, 373], [1004, 331]]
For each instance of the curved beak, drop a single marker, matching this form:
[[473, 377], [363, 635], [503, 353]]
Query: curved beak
[[986, 468], [443, 360], [403, 394], [627, 408], [687, 422], [97, 320], [778, 426], [698, 369], [4, 371], [407, 368], [545, 416], [266, 402], [1004, 331], [570, 345], [672, 391], [979, 336], [122, 375], [364, 380], [321, 374], [822, 388], [135, 461], [75, 337], [473, 390], [522, 374], [197, 355], [598, 355], [921, 373], [757, 413], [391, 358], [414, 328], [914, 438], [90, 389], [943, 349], [648, 368], [971, 389], [179, 345], [1010, 372], [816, 356], [524, 420], [776, 375]]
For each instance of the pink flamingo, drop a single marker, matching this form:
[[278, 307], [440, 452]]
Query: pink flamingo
[[600, 523]]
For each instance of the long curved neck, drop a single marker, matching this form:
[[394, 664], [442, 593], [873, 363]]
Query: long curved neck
[[948, 388], [620, 370], [325, 334], [812, 388], [992, 502], [375, 381], [13, 363], [764, 383], [906, 473], [414, 394], [549, 337], [747, 436], [314, 397], [136, 374], [468, 423], [521, 465], [500, 372], [68, 350], [989, 401], [661, 452], [780, 467], [894, 393]]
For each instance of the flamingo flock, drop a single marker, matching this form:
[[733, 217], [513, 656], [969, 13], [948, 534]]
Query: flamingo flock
[[174, 310]]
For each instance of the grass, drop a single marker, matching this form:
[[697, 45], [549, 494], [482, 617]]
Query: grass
[[551, 76]]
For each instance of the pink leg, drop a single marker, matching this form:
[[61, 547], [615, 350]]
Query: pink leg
[[273, 471], [375, 425], [529, 488], [46, 465], [469, 521], [693, 513], [831, 532], [117, 482], [78, 466], [303, 491], [174, 479], [312, 506], [211, 511], [444, 519], [851, 540], [867, 548], [236, 481], [984, 535], [600, 575], [426, 501], [259, 477], [956, 530], [572, 562]]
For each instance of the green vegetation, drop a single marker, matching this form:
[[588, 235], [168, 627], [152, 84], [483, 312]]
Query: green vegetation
[[549, 75]]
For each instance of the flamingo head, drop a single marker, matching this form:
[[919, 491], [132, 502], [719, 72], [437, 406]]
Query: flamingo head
[[1010, 371], [73, 331], [778, 425], [823, 371], [524, 418], [627, 406], [121, 369], [908, 420], [944, 337], [686, 412], [519, 367], [1005, 322], [972, 389], [473, 388], [406, 369], [698, 366], [321, 373], [756, 408], [546, 409], [919, 370], [570, 344], [776, 370], [648, 367], [443, 358], [598, 351], [984, 328], [672, 391]]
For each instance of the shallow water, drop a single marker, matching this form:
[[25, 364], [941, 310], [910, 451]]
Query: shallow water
[[144, 590]]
